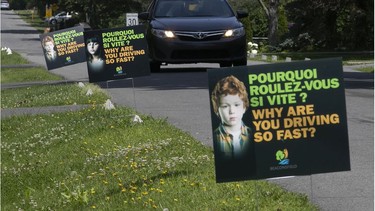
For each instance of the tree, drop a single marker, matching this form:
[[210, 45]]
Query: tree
[[332, 25], [272, 15], [102, 14]]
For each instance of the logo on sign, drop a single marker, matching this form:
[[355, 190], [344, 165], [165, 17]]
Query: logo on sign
[[282, 157], [119, 69]]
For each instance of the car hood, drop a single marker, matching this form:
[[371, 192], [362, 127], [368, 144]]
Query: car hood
[[196, 23]]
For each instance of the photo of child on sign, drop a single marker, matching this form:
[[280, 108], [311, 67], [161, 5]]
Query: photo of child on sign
[[95, 60], [233, 140], [63, 47], [277, 120], [117, 53], [49, 48]]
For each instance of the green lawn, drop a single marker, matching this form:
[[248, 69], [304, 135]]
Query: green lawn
[[22, 74], [52, 95], [98, 159]]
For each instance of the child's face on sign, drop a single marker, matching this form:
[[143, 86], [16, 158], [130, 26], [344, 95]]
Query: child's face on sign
[[92, 47], [231, 110], [49, 46]]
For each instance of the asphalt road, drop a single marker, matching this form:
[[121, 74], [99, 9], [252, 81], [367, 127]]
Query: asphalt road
[[180, 95]]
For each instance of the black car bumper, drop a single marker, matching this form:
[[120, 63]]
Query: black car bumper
[[182, 51]]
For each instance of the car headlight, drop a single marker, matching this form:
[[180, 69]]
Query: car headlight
[[235, 32], [163, 33]]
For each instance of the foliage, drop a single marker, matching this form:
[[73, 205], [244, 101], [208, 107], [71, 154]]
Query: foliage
[[101, 14], [334, 25]]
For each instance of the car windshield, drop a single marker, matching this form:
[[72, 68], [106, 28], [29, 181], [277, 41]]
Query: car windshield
[[192, 8]]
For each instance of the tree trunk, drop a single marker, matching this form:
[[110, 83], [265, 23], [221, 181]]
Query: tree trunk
[[271, 12], [273, 22]]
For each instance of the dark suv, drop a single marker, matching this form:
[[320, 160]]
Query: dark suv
[[192, 31]]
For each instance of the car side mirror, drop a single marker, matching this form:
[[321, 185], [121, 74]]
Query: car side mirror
[[242, 14], [143, 15]]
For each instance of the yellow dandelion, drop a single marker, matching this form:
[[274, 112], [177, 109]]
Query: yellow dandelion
[[107, 198], [93, 207], [145, 193], [123, 190]]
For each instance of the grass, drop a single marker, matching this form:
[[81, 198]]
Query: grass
[[348, 59], [52, 95], [99, 159], [23, 74], [366, 69], [14, 75], [10, 59]]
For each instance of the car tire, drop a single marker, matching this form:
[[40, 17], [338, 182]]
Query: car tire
[[241, 62], [53, 21], [155, 66], [225, 64]]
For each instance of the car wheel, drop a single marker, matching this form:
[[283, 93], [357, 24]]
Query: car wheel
[[225, 64], [53, 21], [155, 66], [241, 62]]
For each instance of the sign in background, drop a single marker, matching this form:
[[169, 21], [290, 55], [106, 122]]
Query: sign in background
[[63, 47], [123, 52], [132, 19], [297, 115]]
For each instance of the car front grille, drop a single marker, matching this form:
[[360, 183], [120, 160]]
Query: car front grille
[[199, 36], [199, 55]]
